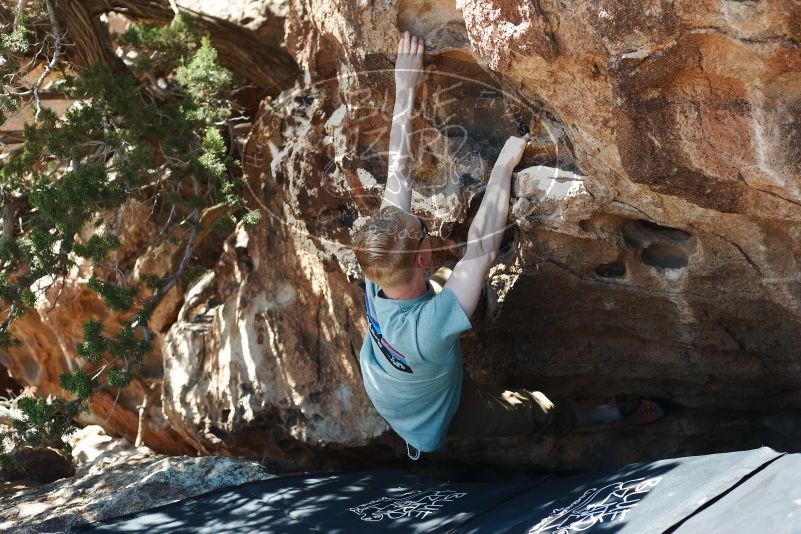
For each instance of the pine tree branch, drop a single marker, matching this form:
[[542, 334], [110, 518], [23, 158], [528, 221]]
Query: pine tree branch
[[9, 210], [260, 60], [149, 391], [153, 301], [20, 6], [51, 13], [13, 309], [113, 405]]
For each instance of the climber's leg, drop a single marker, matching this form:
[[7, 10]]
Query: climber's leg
[[629, 412], [493, 413], [640, 411], [602, 415]]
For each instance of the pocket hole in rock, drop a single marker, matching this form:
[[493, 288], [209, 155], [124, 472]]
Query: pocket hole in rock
[[615, 269], [508, 241], [640, 233], [673, 233], [664, 256]]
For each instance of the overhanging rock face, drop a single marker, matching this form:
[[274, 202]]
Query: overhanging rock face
[[657, 215], [654, 250]]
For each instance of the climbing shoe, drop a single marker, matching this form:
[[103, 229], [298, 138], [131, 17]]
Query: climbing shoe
[[640, 411]]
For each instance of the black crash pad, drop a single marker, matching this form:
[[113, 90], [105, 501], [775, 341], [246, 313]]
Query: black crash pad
[[685, 495]]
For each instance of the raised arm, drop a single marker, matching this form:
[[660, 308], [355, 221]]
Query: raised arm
[[486, 231], [408, 75]]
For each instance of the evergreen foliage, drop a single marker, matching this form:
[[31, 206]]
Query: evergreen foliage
[[13, 45], [158, 127]]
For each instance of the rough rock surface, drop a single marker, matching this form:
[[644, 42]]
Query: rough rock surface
[[113, 478], [262, 359], [655, 249], [51, 332]]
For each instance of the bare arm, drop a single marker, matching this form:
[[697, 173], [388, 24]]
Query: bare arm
[[486, 231], [408, 74]]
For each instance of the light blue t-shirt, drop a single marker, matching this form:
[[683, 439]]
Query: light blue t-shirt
[[417, 387]]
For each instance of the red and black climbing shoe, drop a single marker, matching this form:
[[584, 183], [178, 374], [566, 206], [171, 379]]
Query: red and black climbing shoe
[[640, 411]]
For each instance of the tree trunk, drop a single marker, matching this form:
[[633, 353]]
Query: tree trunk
[[88, 37], [260, 60]]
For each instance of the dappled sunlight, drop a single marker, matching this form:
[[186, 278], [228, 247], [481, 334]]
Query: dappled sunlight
[[656, 496]]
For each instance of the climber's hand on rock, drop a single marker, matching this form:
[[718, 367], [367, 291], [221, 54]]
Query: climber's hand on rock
[[409, 70], [512, 151]]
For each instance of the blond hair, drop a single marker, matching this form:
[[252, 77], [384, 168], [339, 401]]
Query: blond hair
[[385, 248]]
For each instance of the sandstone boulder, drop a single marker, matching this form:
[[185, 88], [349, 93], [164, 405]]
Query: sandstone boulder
[[653, 249]]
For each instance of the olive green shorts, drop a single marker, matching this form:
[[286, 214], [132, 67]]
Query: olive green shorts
[[485, 413]]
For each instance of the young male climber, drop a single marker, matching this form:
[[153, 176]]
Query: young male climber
[[410, 359]]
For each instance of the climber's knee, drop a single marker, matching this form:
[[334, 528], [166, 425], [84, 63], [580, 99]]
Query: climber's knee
[[554, 415]]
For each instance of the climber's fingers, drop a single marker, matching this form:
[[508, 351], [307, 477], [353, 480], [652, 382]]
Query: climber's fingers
[[411, 44], [416, 55], [512, 150], [411, 50]]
